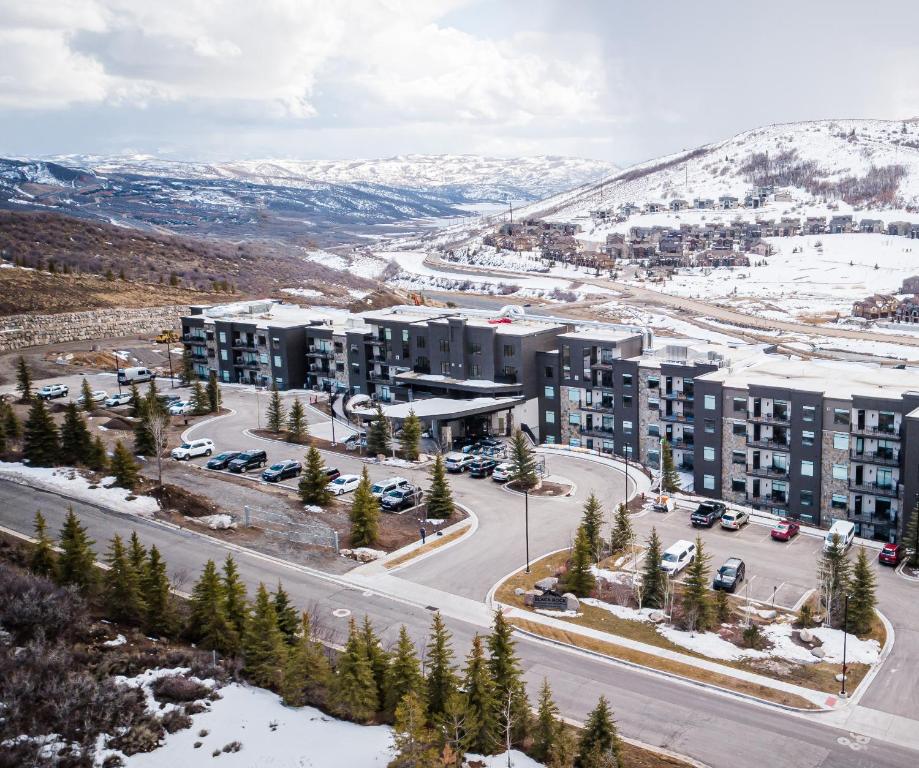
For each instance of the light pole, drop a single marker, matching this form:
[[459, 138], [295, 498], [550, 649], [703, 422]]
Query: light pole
[[172, 380], [115, 355], [526, 524], [332, 398], [845, 633], [774, 590]]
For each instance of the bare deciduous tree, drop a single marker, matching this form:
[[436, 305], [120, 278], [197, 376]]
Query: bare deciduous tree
[[158, 428]]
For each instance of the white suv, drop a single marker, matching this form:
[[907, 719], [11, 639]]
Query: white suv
[[678, 556], [458, 462], [192, 448], [385, 486]]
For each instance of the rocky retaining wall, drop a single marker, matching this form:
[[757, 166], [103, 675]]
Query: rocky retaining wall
[[19, 331]]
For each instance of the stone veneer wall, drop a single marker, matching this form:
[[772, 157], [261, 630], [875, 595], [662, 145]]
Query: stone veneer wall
[[647, 416], [20, 331], [730, 443], [830, 456]]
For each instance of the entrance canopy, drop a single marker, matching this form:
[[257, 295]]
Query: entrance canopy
[[448, 408]]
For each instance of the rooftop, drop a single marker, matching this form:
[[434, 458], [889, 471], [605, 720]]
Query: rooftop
[[266, 313], [601, 334], [694, 352]]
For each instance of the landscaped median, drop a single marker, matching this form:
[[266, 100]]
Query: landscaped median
[[779, 665]]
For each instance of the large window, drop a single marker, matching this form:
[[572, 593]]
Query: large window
[[653, 382], [709, 425], [807, 498], [808, 413], [738, 484], [223, 337], [841, 416], [839, 501], [421, 342], [574, 419], [739, 427], [709, 402], [841, 441], [475, 371], [550, 417], [807, 469], [549, 393], [654, 430], [444, 345], [508, 350], [627, 427], [738, 457], [550, 373], [708, 482], [474, 348], [708, 453], [807, 438], [840, 472], [740, 405], [626, 379]]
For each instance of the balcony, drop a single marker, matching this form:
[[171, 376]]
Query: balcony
[[325, 354], [598, 408], [774, 445], [884, 459], [250, 364], [773, 473], [198, 357], [682, 444], [685, 397], [598, 432], [681, 418], [380, 378], [506, 379], [779, 501], [191, 338], [770, 418], [602, 365], [244, 344], [888, 433], [891, 490], [314, 368]]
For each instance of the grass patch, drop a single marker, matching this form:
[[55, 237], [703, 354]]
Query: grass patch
[[433, 543]]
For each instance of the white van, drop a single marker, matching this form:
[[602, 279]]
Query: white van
[[383, 487], [844, 530], [678, 556], [135, 375]]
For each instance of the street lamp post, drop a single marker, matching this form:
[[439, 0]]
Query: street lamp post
[[845, 633], [172, 380], [115, 354], [332, 398], [526, 524]]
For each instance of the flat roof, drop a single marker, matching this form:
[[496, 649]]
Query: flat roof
[[447, 381], [600, 334], [265, 313], [438, 407], [673, 351]]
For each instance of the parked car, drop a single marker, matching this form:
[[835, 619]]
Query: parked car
[[482, 467], [385, 486], [332, 473], [344, 484], [222, 460], [734, 520], [50, 391], [96, 396], [135, 375], [491, 442], [181, 407], [892, 554], [841, 531], [785, 530], [281, 471], [502, 472], [458, 462], [402, 498], [678, 556], [355, 441], [730, 574], [248, 460], [663, 503], [707, 514], [121, 398], [168, 400], [192, 448]]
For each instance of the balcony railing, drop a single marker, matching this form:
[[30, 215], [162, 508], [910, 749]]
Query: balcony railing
[[244, 344], [888, 433], [598, 432], [770, 418], [876, 489], [199, 357], [682, 418], [316, 352], [887, 460], [775, 445], [598, 408], [687, 397], [767, 501], [774, 473], [682, 444]]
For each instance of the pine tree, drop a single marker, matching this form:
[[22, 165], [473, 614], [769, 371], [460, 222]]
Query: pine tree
[[307, 675], [697, 602], [124, 468], [579, 579], [297, 428], [592, 522], [137, 553], [414, 742], [76, 563], [208, 625], [523, 464], [160, 618], [833, 580], [234, 597], [314, 483], [365, 514], [547, 726], [653, 576], [23, 380], [137, 402], [11, 424], [288, 619], [213, 391], [862, 598], [274, 417], [622, 535], [187, 370], [263, 644], [123, 598], [599, 743], [458, 728], [410, 439], [42, 561], [86, 395], [404, 673], [670, 478], [200, 402], [378, 434], [722, 607], [910, 537], [40, 444], [97, 457], [378, 658], [508, 676], [76, 442], [144, 444], [355, 694], [440, 497], [481, 700], [442, 680]]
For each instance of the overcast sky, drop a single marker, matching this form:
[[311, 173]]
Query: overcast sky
[[619, 81]]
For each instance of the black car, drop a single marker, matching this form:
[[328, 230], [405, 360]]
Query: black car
[[332, 473], [401, 498], [248, 460], [281, 471], [482, 467], [707, 514], [490, 442], [730, 574], [222, 460]]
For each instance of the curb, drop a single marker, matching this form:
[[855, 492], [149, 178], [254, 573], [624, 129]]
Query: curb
[[193, 427], [567, 497], [471, 523]]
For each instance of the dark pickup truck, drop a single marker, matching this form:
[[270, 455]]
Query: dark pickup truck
[[707, 514]]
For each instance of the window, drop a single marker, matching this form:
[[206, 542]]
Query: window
[[708, 482], [839, 501], [223, 355], [574, 442], [739, 427], [841, 416], [654, 458], [405, 334], [709, 426], [654, 404], [262, 341], [807, 469], [550, 417], [654, 430], [807, 498], [738, 485], [422, 342], [223, 337], [738, 457], [709, 402], [626, 401], [840, 472], [840, 441], [508, 350], [387, 334], [263, 358], [550, 373], [275, 342], [550, 439], [807, 438], [574, 419], [474, 348], [574, 395], [808, 413], [740, 405], [444, 345], [225, 375], [509, 372], [708, 453], [626, 379], [653, 382], [475, 371], [549, 393], [444, 368], [627, 427]]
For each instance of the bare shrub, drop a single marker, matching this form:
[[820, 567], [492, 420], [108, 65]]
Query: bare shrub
[[176, 720], [31, 606], [177, 690]]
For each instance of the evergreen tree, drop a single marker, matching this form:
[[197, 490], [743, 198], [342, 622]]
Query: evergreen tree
[[697, 602], [440, 497], [404, 673], [622, 535], [314, 483], [187, 370], [208, 625], [76, 442], [415, 743], [722, 607], [137, 553], [274, 417], [592, 523], [833, 580], [579, 579], [507, 676], [3, 444], [40, 444], [378, 434], [200, 402], [862, 598], [378, 658], [365, 514], [97, 457], [355, 688], [86, 395], [213, 391], [42, 562], [523, 464], [458, 727], [548, 725], [910, 538], [307, 675], [653, 576], [160, 618], [481, 700], [297, 428], [288, 620], [670, 478], [11, 423], [23, 380], [234, 597], [76, 563], [124, 468], [599, 743], [144, 444], [137, 401], [123, 598], [263, 644], [442, 681], [410, 439]]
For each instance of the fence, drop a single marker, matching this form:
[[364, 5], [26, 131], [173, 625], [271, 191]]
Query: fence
[[276, 525]]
